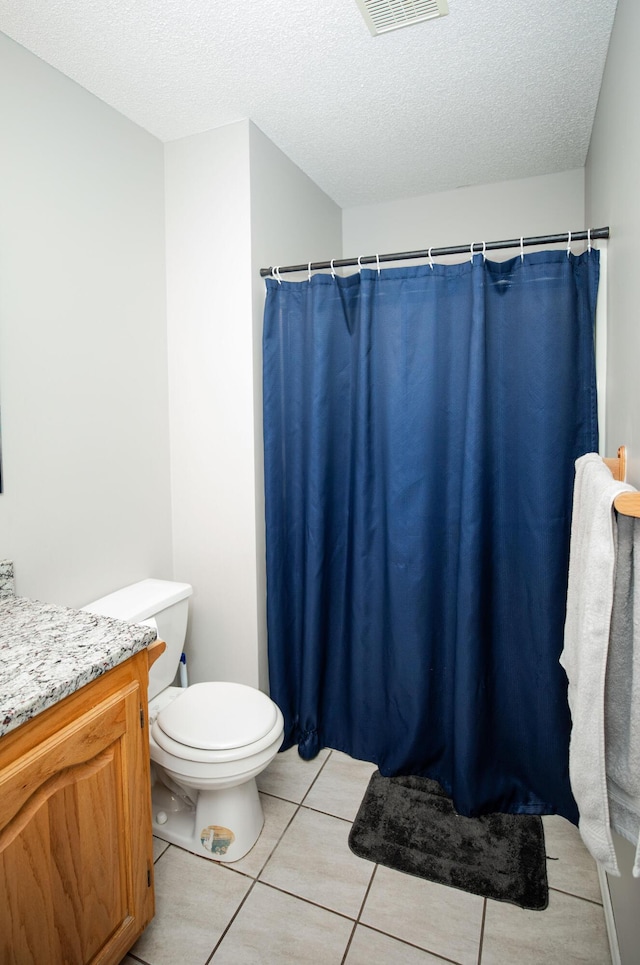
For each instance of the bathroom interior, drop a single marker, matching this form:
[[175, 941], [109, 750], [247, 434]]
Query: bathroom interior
[[131, 312]]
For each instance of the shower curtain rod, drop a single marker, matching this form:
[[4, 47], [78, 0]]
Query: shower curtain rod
[[477, 248]]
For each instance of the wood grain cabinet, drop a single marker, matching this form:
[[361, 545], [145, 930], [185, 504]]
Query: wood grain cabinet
[[76, 862]]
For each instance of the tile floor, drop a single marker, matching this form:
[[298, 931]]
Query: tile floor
[[301, 897]]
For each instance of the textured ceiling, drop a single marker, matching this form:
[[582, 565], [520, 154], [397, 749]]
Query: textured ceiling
[[498, 89]]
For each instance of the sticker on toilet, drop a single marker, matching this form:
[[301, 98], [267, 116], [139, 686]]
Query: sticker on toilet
[[217, 839]]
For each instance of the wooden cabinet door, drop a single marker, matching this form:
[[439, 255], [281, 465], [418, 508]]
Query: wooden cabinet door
[[75, 862]]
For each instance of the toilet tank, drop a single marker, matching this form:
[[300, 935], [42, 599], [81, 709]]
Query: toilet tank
[[162, 604]]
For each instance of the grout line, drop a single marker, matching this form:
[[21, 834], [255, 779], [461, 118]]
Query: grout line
[[357, 921], [403, 941], [481, 942], [570, 894], [271, 853], [228, 866], [308, 901], [278, 797], [281, 797], [328, 814], [324, 764], [368, 889], [230, 922], [346, 951]]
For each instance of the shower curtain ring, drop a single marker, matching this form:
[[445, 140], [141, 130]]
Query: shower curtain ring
[[378, 263], [359, 265], [588, 239], [333, 274], [521, 249], [276, 275], [309, 271], [569, 246], [430, 258]]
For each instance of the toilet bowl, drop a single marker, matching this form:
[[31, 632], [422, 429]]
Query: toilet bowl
[[207, 742]]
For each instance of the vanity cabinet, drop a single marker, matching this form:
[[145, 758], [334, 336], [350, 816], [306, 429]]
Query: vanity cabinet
[[76, 861]]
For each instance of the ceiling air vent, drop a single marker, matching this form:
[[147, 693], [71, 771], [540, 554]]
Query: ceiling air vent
[[381, 16]]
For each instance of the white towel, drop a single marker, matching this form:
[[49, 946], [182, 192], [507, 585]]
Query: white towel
[[586, 643], [622, 691]]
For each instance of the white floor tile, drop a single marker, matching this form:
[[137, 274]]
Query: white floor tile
[[405, 921], [568, 932], [370, 947], [313, 861], [573, 869], [276, 929], [340, 786], [441, 920], [289, 777], [195, 899]]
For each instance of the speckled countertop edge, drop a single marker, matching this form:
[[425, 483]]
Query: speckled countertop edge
[[48, 652], [6, 579]]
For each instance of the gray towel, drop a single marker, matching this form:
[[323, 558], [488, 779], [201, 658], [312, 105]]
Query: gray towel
[[586, 642], [622, 690]]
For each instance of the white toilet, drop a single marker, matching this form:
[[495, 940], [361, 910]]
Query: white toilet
[[208, 741]]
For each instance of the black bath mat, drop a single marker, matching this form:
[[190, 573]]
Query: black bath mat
[[409, 824]]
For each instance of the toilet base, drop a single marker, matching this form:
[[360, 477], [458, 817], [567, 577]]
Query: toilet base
[[223, 826]]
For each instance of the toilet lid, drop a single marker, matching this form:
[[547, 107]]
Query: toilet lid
[[218, 716]]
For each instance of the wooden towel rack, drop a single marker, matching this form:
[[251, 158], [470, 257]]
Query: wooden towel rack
[[626, 503]]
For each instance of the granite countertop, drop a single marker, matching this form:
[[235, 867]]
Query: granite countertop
[[47, 652]]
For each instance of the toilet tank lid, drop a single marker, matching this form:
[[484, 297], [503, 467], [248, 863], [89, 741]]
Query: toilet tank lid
[[139, 601]]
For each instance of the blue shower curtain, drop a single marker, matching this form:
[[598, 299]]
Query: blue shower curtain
[[421, 426]]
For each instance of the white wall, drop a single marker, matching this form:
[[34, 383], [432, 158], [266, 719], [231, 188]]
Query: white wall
[[292, 221], [551, 203], [613, 198], [83, 363], [211, 397], [234, 202]]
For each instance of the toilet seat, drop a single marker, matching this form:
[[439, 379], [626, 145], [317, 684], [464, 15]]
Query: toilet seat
[[217, 722]]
